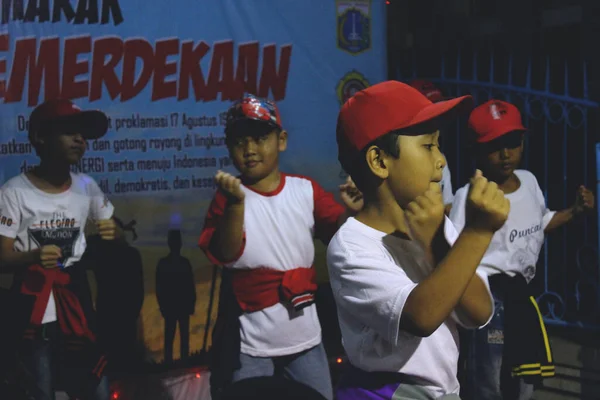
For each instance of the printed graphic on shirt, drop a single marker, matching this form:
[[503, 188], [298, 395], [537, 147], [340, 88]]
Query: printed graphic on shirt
[[524, 233], [6, 221], [61, 231], [527, 255]]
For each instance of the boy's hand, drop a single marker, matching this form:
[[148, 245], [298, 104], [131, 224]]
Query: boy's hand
[[107, 229], [351, 196], [425, 215], [584, 200], [230, 185], [50, 256], [487, 208]]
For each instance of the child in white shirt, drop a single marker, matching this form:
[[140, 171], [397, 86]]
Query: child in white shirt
[[511, 259], [43, 214], [400, 289]]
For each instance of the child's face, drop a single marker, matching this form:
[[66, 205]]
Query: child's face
[[68, 148], [500, 157], [257, 156], [419, 164]]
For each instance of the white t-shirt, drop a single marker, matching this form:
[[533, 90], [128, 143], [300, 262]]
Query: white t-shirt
[[516, 246], [372, 274], [279, 228], [35, 218], [446, 185]]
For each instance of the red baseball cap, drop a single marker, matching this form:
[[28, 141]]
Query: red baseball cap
[[493, 119], [91, 124], [383, 108], [251, 107], [428, 89]]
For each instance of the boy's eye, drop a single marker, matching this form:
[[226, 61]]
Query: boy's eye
[[429, 146]]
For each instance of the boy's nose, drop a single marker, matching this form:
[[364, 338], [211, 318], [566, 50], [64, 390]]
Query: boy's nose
[[249, 147]]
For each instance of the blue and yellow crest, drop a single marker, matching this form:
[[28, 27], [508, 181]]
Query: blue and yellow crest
[[354, 25], [350, 83]]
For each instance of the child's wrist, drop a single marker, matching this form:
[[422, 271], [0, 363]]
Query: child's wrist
[[577, 210], [478, 234]]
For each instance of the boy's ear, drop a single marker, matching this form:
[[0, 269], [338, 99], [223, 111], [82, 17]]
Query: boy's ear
[[282, 140], [377, 161]]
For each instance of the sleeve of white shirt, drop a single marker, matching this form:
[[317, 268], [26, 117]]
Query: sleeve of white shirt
[[369, 287], [100, 207], [547, 214], [10, 214], [447, 194], [461, 318]]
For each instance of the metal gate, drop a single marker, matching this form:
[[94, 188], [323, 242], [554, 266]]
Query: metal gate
[[560, 150]]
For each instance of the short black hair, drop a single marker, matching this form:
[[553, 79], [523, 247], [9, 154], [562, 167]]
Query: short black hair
[[358, 168]]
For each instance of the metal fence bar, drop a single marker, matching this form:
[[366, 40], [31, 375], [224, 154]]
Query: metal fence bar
[[558, 291]]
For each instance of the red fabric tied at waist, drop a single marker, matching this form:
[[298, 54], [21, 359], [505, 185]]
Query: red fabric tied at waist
[[257, 289], [41, 282]]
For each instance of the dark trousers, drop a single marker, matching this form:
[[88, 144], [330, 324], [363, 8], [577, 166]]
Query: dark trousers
[[40, 357]]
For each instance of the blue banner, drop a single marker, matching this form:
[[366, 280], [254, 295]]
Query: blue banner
[[165, 73]]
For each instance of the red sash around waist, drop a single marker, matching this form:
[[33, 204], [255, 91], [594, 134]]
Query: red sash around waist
[[259, 288]]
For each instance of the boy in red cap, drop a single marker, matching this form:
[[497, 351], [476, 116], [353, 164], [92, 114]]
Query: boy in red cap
[[512, 352], [260, 227], [401, 276], [43, 214], [435, 95]]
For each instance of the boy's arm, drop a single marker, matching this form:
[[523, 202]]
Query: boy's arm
[[476, 303], [436, 297], [222, 237], [584, 202], [13, 261], [10, 219], [475, 307], [560, 218], [102, 213], [328, 213]]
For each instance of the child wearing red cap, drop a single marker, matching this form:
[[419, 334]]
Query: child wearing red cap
[[435, 95], [260, 227], [511, 353], [43, 214], [401, 276]]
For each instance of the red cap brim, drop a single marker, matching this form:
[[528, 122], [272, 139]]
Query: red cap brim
[[446, 108], [500, 132]]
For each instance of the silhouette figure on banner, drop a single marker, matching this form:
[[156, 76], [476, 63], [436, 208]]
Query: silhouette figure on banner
[[176, 295]]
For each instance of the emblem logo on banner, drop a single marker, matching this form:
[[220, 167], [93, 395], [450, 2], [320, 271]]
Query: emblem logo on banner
[[350, 83], [354, 25]]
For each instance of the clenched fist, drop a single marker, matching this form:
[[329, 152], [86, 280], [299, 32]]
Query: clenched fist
[[107, 228], [50, 256], [425, 215], [487, 207], [230, 185], [584, 200]]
